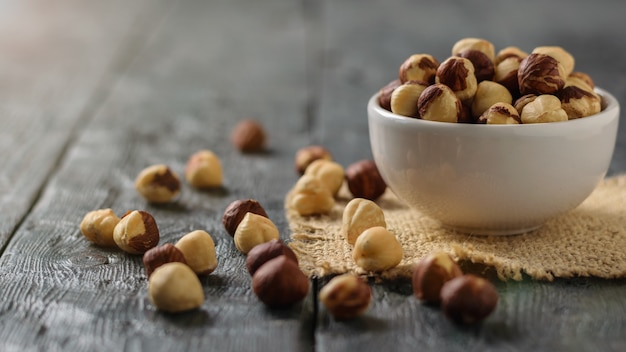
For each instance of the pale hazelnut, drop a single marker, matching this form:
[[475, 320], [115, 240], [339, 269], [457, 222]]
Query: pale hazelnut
[[430, 273], [248, 136], [364, 180], [561, 55], [346, 296], [418, 67], [500, 114], [174, 287], [468, 299], [484, 69], [158, 184], [578, 102], [404, 98], [439, 103], [458, 74], [359, 215], [510, 51], [479, 44], [136, 232], [253, 230], [157, 256], [377, 249], [384, 96], [522, 101], [307, 155], [280, 282], [97, 226], [581, 80], [236, 210], [204, 170], [263, 252], [311, 196], [487, 94], [199, 251], [330, 173], [506, 74], [540, 74], [544, 108]]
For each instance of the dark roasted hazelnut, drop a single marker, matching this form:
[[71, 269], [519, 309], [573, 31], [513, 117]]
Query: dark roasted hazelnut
[[430, 273], [439, 103], [306, 155], [157, 256], [280, 282], [500, 114], [248, 136], [236, 210], [404, 98], [418, 67], [458, 74], [484, 68], [364, 180], [261, 253], [468, 299], [384, 96], [540, 74]]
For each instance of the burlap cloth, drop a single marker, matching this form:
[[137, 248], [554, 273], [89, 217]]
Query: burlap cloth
[[588, 241]]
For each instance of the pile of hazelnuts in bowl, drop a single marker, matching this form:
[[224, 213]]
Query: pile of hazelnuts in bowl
[[477, 85]]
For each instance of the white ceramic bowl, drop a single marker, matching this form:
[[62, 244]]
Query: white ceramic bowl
[[493, 179]]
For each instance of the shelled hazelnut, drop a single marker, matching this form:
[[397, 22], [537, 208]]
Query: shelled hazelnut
[[136, 232], [198, 249], [279, 282], [346, 296], [174, 287], [384, 96], [580, 79], [404, 98], [484, 69], [311, 197], [248, 136], [236, 210], [359, 215], [468, 299], [458, 74], [540, 74], [157, 256], [479, 44], [253, 230], [508, 52], [439, 103], [330, 173], [578, 102], [430, 273], [97, 226], [561, 55], [158, 183], [487, 94], [377, 249], [500, 114], [306, 155], [418, 67], [364, 180], [262, 253], [204, 170], [544, 108]]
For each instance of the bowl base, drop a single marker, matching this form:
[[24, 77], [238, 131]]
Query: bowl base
[[493, 231]]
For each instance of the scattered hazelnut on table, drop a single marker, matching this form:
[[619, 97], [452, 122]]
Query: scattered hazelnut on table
[[236, 210], [377, 249], [458, 74], [487, 94], [97, 226], [174, 287], [158, 183], [364, 180], [306, 155], [404, 98], [330, 173], [279, 282], [136, 233], [430, 273], [540, 74], [346, 296], [439, 103], [253, 230], [500, 114], [248, 136], [578, 102], [359, 215], [311, 197], [263, 252], [157, 256], [468, 299], [198, 249], [544, 108], [204, 170], [418, 67], [384, 96]]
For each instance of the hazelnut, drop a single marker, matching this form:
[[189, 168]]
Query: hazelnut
[[199, 251], [236, 210], [280, 282], [311, 196], [97, 226], [359, 215], [510, 51], [157, 256], [136, 232], [260, 254], [157, 184], [364, 180], [561, 55], [458, 74], [204, 170], [506, 74], [500, 114], [439, 103], [384, 96], [430, 273], [540, 74], [330, 173], [487, 94], [306, 155], [404, 98], [377, 249], [522, 101], [174, 287], [578, 102], [253, 230], [468, 299], [482, 45], [418, 67], [346, 296], [544, 108], [484, 68], [581, 80], [248, 136]]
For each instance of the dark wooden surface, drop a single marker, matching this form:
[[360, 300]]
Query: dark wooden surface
[[93, 91]]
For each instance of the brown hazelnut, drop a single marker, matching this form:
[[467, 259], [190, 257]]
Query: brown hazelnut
[[174, 287], [260, 254], [136, 232], [578, 102], [510, 51], [544, 108], [484, 68], [418, 67], [439, 103], [236, 210], [404, 98], [158, 184], [204, 170], [540, 74], [580, 79], [384, 96], [377, 249], [468, 299], [280, 282], [479, 44], [458, 74], [248, 136], [306, 155], [561, 55], [506, 74], [97, 226], [157, 256], [430, 273], [364, 180], [487, 94], [346, 296], [500, 114], [199, 251]]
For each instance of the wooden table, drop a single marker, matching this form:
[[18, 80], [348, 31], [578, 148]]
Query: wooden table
[[93, 91]]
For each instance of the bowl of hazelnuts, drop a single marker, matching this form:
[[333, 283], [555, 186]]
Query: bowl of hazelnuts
[[492, 143]]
